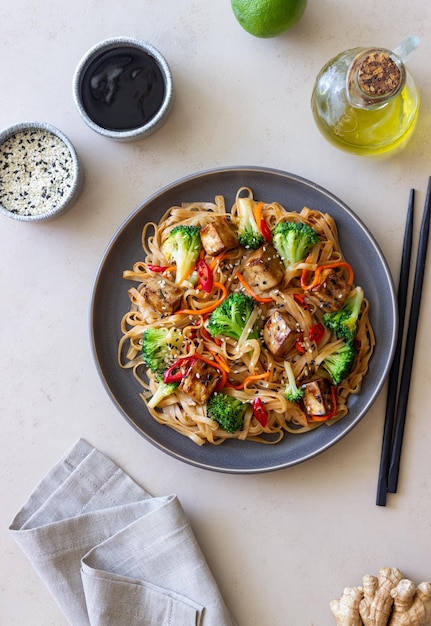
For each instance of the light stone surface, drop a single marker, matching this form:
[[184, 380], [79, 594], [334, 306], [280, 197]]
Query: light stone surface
[[282, 545]]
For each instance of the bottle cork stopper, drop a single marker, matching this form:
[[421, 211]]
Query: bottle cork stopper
[[378, 74]]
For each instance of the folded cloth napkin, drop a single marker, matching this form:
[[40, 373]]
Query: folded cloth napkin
[[111, 554]]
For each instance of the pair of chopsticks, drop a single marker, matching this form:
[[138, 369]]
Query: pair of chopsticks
[[399, 388]]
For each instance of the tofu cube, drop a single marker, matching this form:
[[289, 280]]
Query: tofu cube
[[280, 334], [317, 397], [218, 236], [264, 269], [200, 381], [162, 294], [332, 291]]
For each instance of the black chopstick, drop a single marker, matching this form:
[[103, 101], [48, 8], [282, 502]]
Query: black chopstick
[[403, 395], [385, 459]]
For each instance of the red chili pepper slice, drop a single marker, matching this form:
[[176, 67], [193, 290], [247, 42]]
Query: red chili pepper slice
[[176, 372], [157, 268], [264, 229], [299, 345], [332, 412], [206, 278], [260, 412], [300, 298], [316, 332]]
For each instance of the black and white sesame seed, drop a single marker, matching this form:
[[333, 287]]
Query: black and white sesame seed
[[36, 171]]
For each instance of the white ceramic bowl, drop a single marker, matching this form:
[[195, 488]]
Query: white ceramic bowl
[[123, 89], [40, 172]]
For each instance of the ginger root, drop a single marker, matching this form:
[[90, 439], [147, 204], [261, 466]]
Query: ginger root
[[346, 608], [376, 605], [388, 599], [412, 605]]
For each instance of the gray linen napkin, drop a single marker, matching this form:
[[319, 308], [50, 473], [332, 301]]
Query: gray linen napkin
[[111, 554]]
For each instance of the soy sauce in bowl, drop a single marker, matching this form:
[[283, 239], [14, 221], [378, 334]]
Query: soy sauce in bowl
[[123, 89]]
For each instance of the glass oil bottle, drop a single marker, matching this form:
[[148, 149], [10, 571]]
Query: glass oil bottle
[[365, 101]]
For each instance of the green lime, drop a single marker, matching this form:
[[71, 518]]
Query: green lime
[[268, 18]]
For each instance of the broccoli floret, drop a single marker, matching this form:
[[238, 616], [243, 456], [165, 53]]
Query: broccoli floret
[[249, 234], [231, 316], [227, 411], [339, 364], [182, 247], [292, 392], [293, 241], [343, 322], [163, 391], [160, 347]]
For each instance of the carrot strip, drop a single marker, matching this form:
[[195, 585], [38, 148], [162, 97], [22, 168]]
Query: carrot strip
[[217, 259], [205, 360], [222, 382], [258, 213], [250, 291], [180, 279], [320, 269], [207, 309], [170, 377], [251, 378], [220, 360]]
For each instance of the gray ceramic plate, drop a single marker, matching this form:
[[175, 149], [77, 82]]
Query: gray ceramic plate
[[110, 302]]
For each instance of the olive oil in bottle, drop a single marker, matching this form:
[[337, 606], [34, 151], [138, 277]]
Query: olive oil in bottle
[[365, 101]]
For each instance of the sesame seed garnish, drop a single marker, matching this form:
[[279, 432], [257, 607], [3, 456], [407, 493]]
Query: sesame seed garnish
[[36, 170]]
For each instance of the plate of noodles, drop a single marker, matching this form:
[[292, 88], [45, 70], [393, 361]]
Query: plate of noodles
[[217, 335]]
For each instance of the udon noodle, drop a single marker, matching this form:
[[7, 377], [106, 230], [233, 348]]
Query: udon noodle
[[248, 369]]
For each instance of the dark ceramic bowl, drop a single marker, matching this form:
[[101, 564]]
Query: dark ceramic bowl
[[123, 89]]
